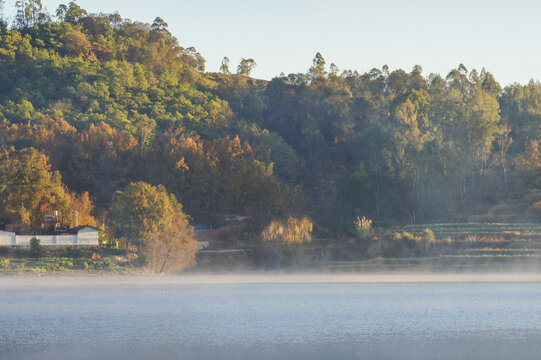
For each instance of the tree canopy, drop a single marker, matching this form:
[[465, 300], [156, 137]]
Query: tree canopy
[[29, 190], [106, 102]]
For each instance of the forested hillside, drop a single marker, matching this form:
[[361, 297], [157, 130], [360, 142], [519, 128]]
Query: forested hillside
[[106, 101]]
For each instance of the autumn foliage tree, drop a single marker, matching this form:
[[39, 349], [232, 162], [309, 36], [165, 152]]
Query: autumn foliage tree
[[151, 218], [75, 43], [29, 190], [171, 249]]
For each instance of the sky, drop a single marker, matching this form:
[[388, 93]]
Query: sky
[[284, 35]]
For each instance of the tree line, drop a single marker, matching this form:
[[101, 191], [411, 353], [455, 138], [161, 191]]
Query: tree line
[[99, 103]]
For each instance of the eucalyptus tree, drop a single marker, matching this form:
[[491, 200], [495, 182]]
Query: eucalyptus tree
[[317, 70], [224, 68], [246, 66]]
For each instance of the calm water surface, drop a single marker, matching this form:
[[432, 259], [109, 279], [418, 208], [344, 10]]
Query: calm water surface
[[89, 320]]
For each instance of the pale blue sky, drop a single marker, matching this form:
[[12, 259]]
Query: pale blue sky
[[283, 35]]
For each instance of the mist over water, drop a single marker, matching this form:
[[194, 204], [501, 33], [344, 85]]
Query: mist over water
[[272, 316], [271, 278]]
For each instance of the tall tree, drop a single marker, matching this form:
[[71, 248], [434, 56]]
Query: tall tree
[[224, 68], [246, 66], [21, 20], [159, 25], [141, 212], [61, 12], [74, 13], [171, 249], [34, 12], [317, 70]]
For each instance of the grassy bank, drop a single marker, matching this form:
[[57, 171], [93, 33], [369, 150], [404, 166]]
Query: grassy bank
[[65, 259]]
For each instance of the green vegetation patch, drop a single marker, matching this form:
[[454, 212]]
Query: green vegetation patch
[[61, 264]]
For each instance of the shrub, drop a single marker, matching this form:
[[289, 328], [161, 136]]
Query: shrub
[[406, 244], [4, 263], [35, 248], [428, 235], [407, 236], [109, 263], [363, 227], [292, 231]]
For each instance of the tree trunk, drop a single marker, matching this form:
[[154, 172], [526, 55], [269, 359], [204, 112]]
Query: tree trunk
[[165, 261]]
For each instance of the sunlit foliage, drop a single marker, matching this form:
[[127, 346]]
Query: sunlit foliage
[[29, 190], [363, 226], [110, 101], [292, 231]]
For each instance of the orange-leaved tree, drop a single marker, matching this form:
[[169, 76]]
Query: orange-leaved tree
[[29, 190], [151, 218]]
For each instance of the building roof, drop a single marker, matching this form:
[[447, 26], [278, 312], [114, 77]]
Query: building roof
[[76, 230]]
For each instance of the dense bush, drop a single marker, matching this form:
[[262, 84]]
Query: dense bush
[[35, 248]]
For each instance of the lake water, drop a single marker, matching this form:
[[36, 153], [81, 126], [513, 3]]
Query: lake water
[[157, 318]]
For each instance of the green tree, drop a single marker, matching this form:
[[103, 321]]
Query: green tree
[[35, 13], [224, 68], [246, 66], [317, 71], [159, 25], [115, 19], [30, 13], [74, 13], [61, 12]]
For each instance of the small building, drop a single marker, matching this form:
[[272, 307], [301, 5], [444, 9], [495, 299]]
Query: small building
[[86, 235]]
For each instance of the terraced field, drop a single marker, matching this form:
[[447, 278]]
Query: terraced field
[[463, 231], [460, 247]]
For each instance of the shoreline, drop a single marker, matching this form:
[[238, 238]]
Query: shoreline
[[268, 278]]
